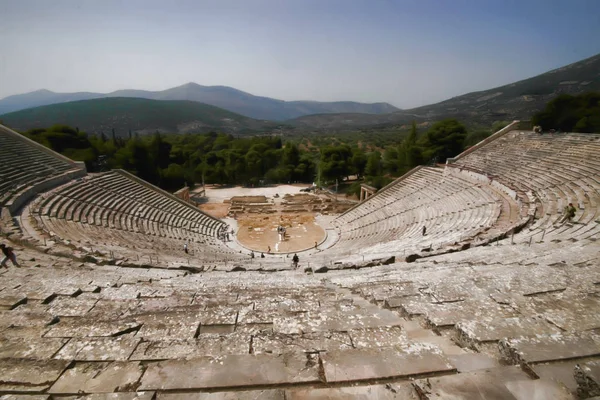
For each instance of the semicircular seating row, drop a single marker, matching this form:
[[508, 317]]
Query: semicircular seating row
[[114, 209], [451, 209], [557, 168], [23, 164]]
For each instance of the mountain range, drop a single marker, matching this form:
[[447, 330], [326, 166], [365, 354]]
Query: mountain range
[[225, 97], [127, 115], [196, 108], [519, 100]]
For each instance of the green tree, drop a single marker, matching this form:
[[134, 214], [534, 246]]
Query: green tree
[[374, 165], [444, 139]]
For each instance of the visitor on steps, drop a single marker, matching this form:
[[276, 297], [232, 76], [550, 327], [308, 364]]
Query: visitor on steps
[[185, 248], [424, 230], [295, 260], [9, 254], [569, 213]]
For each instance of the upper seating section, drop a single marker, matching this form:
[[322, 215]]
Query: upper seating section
[[557, 169], [450, 207], [115, 200], [24, 163]]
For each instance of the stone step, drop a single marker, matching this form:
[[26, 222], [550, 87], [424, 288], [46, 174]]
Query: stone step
[[379, 363], [544, 348], [231, 371]]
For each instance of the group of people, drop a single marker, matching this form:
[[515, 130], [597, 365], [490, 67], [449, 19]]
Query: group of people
[[224, 236], [281, 231]]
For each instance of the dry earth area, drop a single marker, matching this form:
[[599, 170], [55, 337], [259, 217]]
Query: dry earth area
[[258, 232]]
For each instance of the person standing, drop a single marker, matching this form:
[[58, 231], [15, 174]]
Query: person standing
[[185, 248], [9, 254], [295, 260]]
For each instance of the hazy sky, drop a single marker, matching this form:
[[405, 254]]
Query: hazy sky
[[406, 52]]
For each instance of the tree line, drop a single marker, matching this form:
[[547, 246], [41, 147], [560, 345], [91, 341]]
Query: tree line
[[571, 113], [172, 160]]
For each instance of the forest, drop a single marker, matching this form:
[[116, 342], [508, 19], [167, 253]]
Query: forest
[[571, 113], [172, 160]]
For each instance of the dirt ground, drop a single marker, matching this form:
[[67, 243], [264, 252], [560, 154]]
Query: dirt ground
[[216, 210], [258, 232]]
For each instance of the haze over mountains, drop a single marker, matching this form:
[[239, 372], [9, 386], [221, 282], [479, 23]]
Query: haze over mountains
[[225, 97], [145, 111], [518, 100]]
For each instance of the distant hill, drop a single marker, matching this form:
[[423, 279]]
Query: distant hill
[[220, 96], [138, 115], [519, 100]]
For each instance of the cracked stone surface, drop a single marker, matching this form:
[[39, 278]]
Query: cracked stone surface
[[29, 375], [98, 349], [230, 371], [377, 363], [99, 377]]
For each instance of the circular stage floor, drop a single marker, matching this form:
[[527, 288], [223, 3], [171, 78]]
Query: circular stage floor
[[259, 232]]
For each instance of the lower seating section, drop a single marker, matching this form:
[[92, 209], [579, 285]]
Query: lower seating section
[[24, 164], [452, 209], [557, 168], [117, 212], [448, 325]]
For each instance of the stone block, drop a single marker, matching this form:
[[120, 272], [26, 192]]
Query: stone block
[[98, 377], [22, 375], [539, 389], [269, 394], [403, 391], [98, 349], [231, 371], [543, 348], [379, 363]]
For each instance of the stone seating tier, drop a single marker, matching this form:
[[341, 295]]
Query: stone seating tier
[[23, 164]]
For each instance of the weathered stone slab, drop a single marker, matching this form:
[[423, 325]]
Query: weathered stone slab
[[362, 364], [377, 337], [470, 362], [218, 316], [390, 391], [88, 328], [112, 396], [8, 302], [494, 330], [309, 342], [33, 348], [409, 306], [256, 317], [17, 318], [562, 372], [169, 325], [335, 320], [25, 397], [449, 314], [193, 348], [71, 307], [28, 375], [161, 304], [124, 292], [467, 386], [542, 348], [98, 349], [538, 389], [587, 376], [108, 309], [231, 371], [98, 377], [270, 394]]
